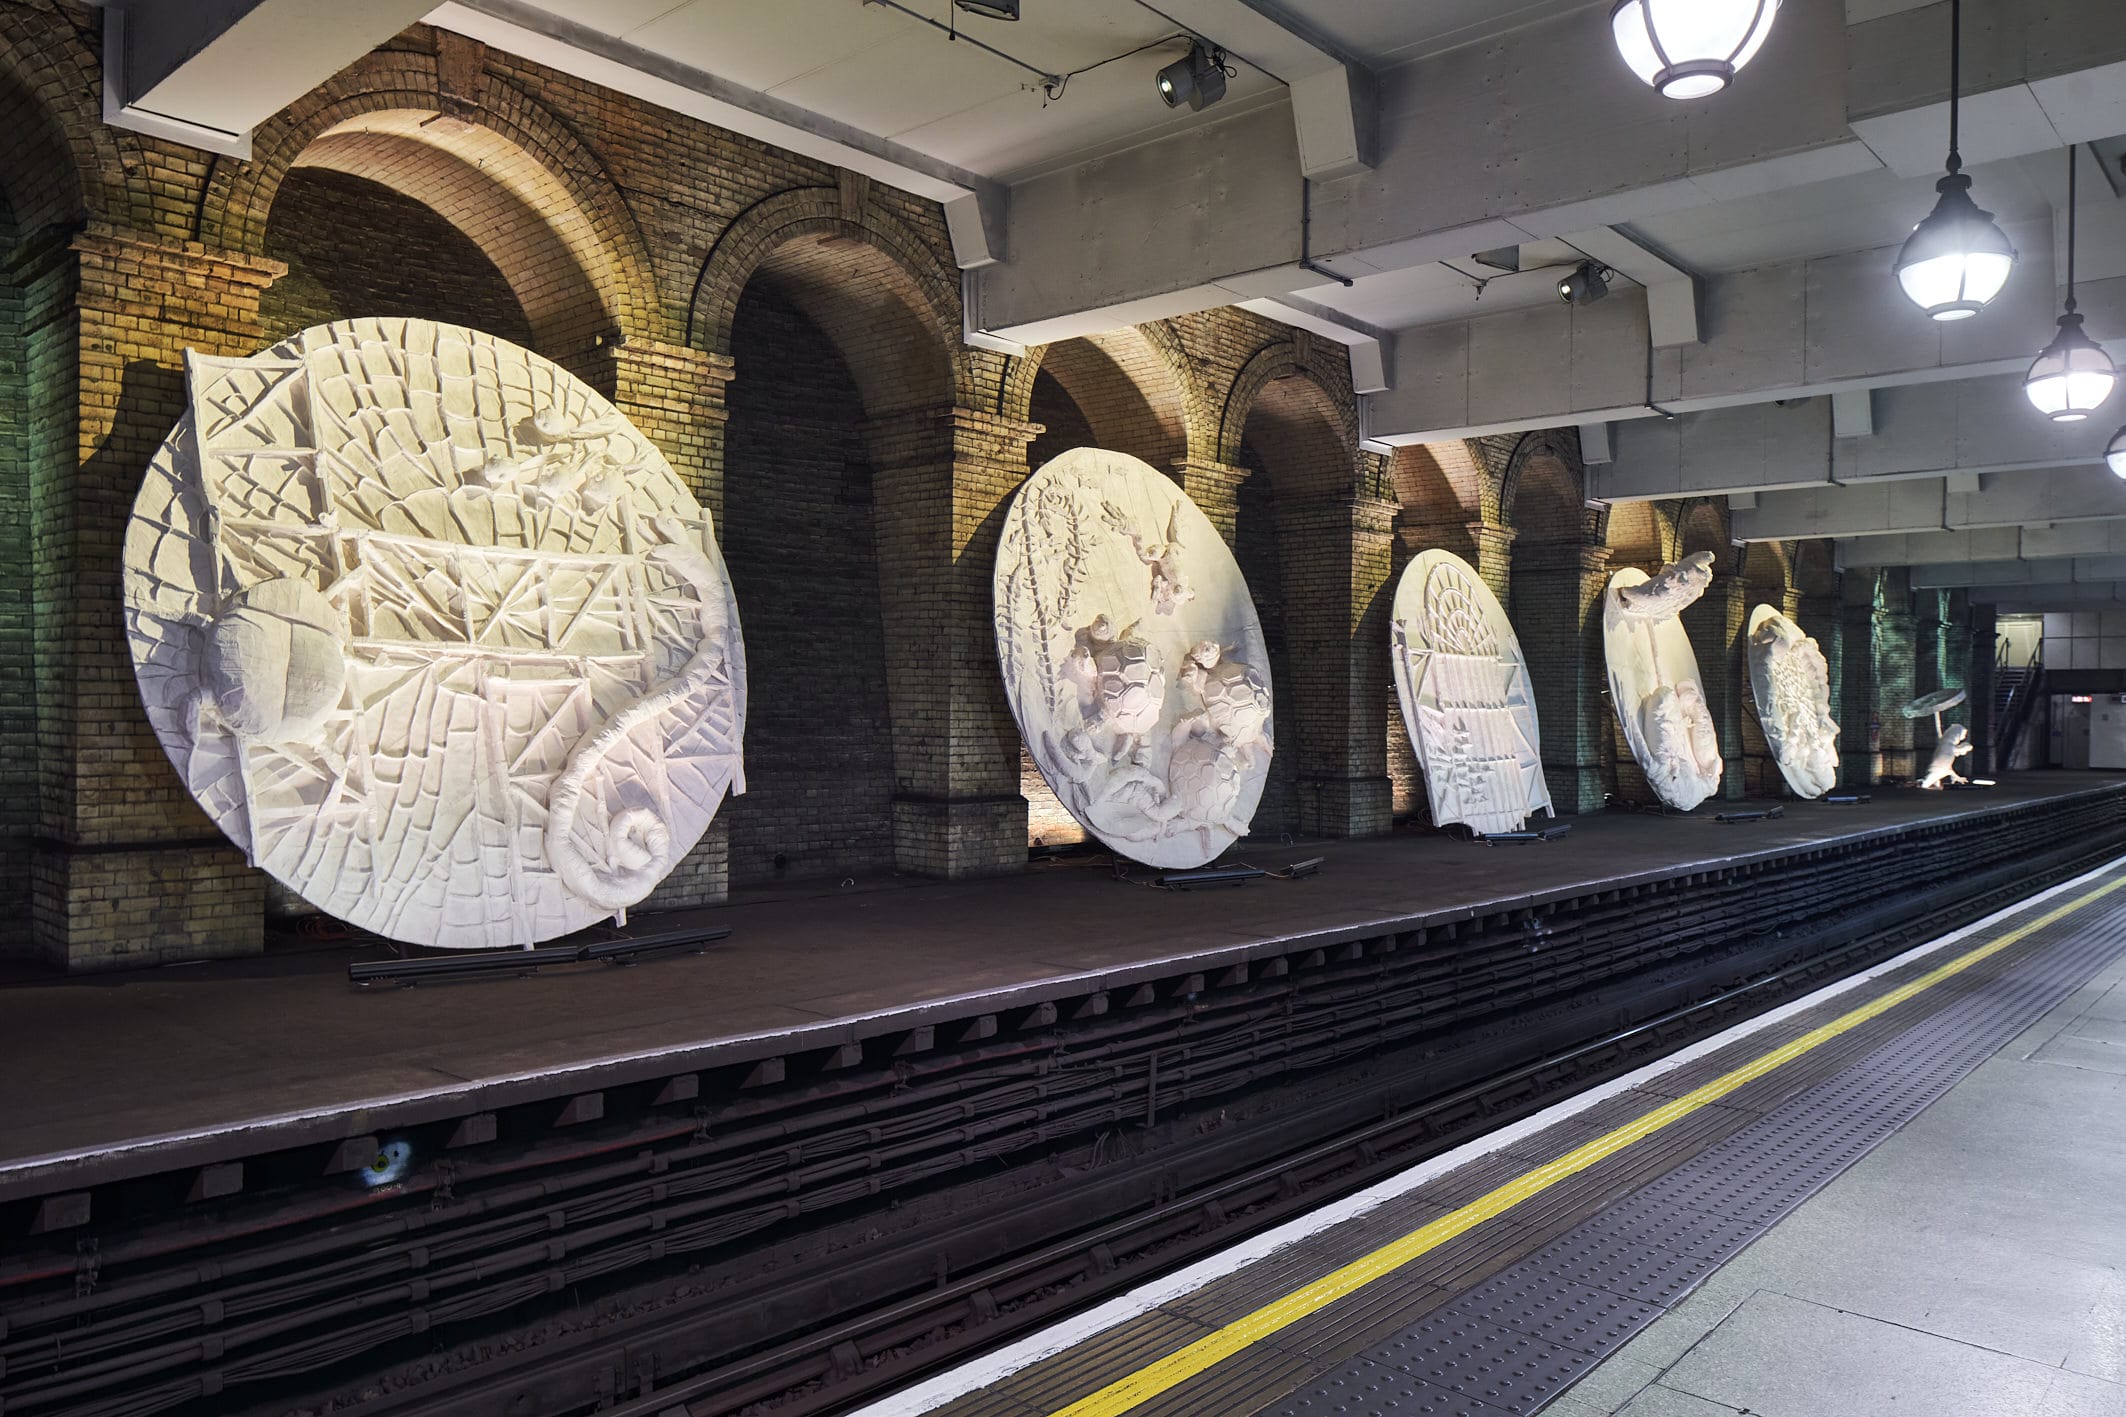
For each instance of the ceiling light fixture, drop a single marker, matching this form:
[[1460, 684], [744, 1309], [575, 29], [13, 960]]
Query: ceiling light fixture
[[1197, 79], [1588, 283], [2115, 452], [990, 9], [2073, 376], [1690, 48], [1956, 260]]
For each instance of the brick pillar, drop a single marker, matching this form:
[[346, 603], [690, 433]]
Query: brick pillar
[[1337, 553], [1982, 643], [1493, 559], [1896, 683], [1820, 616], [1715, 624], [1863, 716], [675, 395], [941, 481], [1557, 614], [1215, 489], [127, 869]]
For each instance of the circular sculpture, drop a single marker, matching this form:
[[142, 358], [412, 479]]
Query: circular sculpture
[[1928, 705], [1466, 699], [1654, 683], [434, 633], [1791, 682], [1133, 659]]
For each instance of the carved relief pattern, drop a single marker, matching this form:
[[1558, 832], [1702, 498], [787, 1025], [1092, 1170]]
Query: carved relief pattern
[[1791, 682], [1466, 699], [433, 633], [1654, 683], [1133, 658]]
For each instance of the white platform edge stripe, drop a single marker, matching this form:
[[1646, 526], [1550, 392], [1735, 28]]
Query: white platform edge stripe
[[1060, 1337]]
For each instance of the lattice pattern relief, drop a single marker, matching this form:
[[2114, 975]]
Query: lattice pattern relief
[[1466, 699], [434, 633]]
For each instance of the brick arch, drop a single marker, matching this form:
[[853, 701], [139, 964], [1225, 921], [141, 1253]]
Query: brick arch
[[1295, 428], [1542, 492], [1702, 525], [60, 156], [1135, 386], [1815, 570], [1273, 377], [1639, 533], [1441, 482], [870, 284], [518, 182], [1769, 572]]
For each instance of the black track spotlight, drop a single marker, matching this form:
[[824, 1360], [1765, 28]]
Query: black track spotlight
[[1588, 283], [990, 9], [1197, 79]]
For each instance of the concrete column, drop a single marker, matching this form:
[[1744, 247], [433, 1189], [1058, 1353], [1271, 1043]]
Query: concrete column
[[1982, 641], [1337, 557], [126, 869], [1557, 615], [1715, 625], [675, 395], [941, 479]]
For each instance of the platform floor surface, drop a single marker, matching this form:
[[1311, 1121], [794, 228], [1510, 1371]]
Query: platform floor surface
[[1973, 1265], [1900, 1196], [93, 1062]]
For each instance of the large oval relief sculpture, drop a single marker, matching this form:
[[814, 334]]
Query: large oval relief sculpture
[[1791, 682], [1463, 682], [1133, 659], [434, 633], [1654, 683]]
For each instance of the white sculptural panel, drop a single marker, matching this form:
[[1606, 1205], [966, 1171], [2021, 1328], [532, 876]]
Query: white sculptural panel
[[433, 633], [1954, 743], [1133, 659], [1653, 679], [1466, 698], [1791, 682]]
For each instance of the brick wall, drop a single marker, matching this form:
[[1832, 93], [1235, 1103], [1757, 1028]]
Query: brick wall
[[797, 537], [18, 663], [356, 247]]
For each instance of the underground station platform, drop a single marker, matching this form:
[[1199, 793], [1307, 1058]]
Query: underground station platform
[[1437, 1128]]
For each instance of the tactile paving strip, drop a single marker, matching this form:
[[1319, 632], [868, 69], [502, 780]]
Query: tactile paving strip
[[1513, 1342]]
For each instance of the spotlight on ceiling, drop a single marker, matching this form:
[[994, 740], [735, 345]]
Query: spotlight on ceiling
[[2115, 454], [1957, 259], [1588, 283], [1198, 79], [1690, 48], [990, 9]]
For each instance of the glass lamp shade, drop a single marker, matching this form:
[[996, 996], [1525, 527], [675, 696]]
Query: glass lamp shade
[[2115, 452], [2073, 377], [1690, 48], [1957, 259]]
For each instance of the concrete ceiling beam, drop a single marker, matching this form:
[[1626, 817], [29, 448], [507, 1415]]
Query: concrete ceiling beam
[[1206, 209], [1927, 430], [1334, 113], [2081, 540], [2047, 497], [207, 72]]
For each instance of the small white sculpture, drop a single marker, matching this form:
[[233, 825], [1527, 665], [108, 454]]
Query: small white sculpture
[[1954, 743], [433, 633], [1466, 699], [1654, 682], [1791, 683], [1144, 699]]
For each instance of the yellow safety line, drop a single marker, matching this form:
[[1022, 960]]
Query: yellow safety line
[[1176, 1368]]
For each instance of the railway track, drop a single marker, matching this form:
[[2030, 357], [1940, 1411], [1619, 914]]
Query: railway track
[[279, 1304]]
